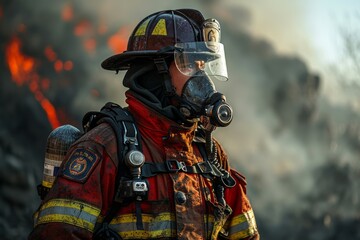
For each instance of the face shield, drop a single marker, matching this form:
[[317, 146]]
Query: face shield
[[196, 58], [202, 62]]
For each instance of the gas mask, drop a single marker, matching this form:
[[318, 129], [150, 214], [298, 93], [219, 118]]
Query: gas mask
[[200, 98], [202, 62]]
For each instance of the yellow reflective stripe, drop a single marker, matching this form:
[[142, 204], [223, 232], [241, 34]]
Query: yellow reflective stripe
[[144, 234], [238, 220], [68, 211], [78, 205], [243, 226], [209, 218], [131, 218], [158, 226], [162, 225], [47, 184], [35, 217], [59, 218], [59, 202]]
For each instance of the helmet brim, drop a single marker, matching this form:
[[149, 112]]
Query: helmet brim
[[124, 60]]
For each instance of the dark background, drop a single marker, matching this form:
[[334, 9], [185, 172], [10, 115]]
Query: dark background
[[298, 148]]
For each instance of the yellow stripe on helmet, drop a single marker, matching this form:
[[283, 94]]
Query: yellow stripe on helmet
[[142, 29], [160, 28]]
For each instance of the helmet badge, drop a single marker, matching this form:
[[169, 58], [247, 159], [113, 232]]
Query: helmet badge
[[211, 30]]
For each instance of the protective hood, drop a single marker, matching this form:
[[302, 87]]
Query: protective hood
[[146, 85]]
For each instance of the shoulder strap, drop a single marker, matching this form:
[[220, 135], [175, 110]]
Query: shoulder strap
[[120, 120], [126, 133]]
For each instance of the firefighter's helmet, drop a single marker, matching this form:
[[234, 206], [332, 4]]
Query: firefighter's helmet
[[156, 32], [183, 34]]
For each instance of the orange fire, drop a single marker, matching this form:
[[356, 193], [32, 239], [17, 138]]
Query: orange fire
[[20, 66], [22, 69], [90, 45], [102, 28], [82, 28], [50, 54], [67, 13], [118, 42], [58, 64], [68, 65]]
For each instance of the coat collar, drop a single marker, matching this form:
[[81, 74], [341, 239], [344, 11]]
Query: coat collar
[[158, 127]]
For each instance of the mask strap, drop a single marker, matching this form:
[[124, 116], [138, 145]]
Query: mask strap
[[163, 70]]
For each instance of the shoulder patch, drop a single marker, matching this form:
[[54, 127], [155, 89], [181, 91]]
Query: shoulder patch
[[80, 164]]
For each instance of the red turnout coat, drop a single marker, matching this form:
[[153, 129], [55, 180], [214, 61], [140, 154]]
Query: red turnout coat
[[84, 190]]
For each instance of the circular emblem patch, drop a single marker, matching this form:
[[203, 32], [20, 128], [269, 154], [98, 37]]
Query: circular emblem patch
[[78, 166]]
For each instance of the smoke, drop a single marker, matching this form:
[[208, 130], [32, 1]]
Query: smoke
[[298, 148]]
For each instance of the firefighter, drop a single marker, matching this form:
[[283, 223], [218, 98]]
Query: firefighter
[[179, 185]]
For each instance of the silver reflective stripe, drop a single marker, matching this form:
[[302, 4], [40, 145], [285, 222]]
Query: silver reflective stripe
[[72, 212], [239, 227], [69, 212], [155, 226], [243, 225]]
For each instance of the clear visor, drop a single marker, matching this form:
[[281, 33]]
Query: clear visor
[[194, 57]]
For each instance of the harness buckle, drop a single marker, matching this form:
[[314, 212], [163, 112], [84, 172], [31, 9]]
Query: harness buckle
[[173, 165], [161, 65], [204, 167], [130, 139]]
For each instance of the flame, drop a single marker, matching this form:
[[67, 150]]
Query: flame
[[45, 84], [58, 64], [118, 42], [20, 66], [85, 30], [22, 70], [67, 13], [68, 65], [50, 54], [82, 28], [90, 45], [102, 28]]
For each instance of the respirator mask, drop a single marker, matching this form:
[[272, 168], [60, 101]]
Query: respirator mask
[[200, 98], [202, 62]]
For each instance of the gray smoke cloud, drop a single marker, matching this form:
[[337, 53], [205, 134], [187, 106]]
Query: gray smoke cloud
[[298, 148]]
